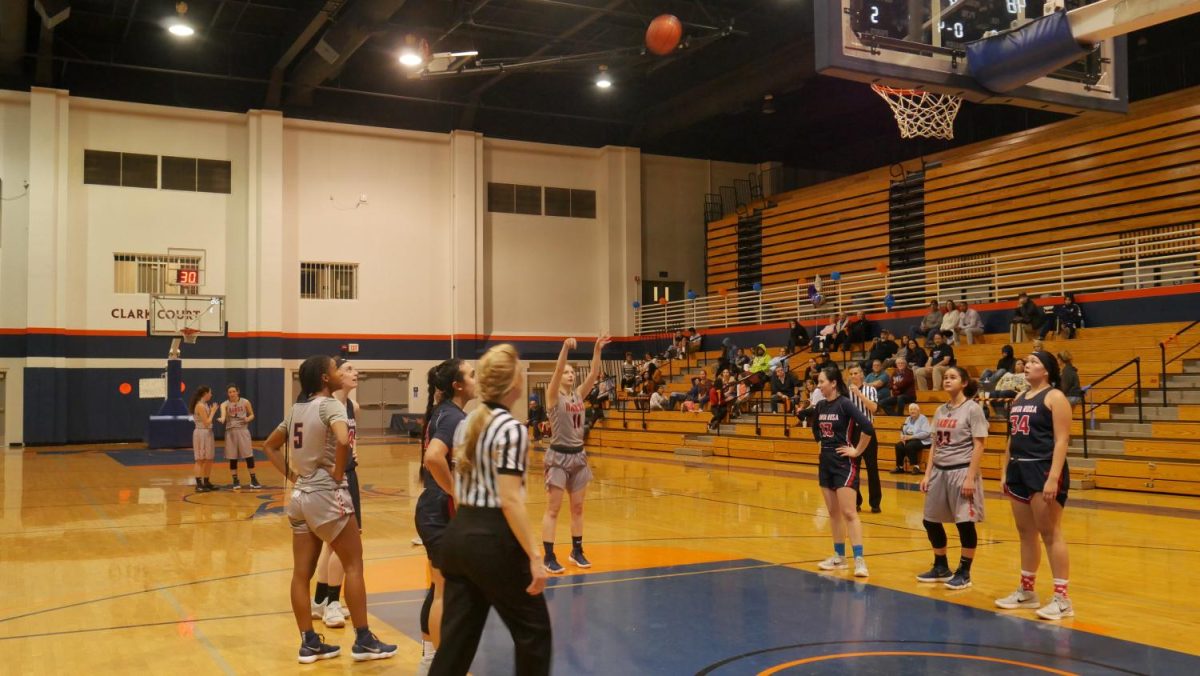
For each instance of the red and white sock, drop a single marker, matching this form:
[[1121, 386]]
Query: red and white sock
[[1060, 587], [1027, 580]]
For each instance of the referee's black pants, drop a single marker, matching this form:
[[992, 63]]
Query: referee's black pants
[[870, 458], [486, 567]]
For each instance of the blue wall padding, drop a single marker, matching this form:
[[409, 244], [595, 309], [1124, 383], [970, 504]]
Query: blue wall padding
[[1015, 58]]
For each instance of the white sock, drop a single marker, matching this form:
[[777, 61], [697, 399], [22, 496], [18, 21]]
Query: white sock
[[427, 648]]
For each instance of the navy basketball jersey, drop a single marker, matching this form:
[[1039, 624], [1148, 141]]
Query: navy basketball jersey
[[837, 423], [1031, 427]]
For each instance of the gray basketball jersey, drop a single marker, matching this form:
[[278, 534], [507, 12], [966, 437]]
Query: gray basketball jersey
[[313, 444], [566, 421], [235, 414], [954, 432]]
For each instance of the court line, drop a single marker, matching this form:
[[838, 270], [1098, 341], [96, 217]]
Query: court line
[[771, 671], [730, 660], [193, 620]]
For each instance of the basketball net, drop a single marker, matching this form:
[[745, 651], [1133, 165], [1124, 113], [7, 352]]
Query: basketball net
[[189, 335], [921, 113]]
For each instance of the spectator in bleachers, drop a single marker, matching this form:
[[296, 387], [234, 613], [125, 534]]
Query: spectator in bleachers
[[1027, 319], [806, 403], [658, 402], [931, 322], [856, 332], [915, 354], [539, 426], [1070, 378], [629, 373], [699, 392], [883, 349], [949, 323], [941, 357], [694, 340], [1008, 387], [780, 360], [826, 339], [1068, 318], [987, 381], [914, 437], [970, 324], [797, 336], [878, 378], [901, 391], [783, 389], [648, 367], [729, 355], [814, 367]]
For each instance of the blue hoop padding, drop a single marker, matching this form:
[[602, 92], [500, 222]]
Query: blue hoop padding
[[1015, 58]]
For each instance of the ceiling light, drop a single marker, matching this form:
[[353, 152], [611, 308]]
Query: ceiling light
[[410, 58], [414, 51], [603, 80], [178, 26], [768, 105]]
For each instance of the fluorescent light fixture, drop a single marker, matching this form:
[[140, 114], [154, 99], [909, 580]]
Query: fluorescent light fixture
[[410, 58], [603, 80], [181, 29]]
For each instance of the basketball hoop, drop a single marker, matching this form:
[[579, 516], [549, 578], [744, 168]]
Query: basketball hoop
[[189, 335], [921, 113]]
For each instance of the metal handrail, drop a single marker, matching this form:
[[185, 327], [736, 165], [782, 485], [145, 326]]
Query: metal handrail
[[1089, 409], [1130, 263], [1162, 349]]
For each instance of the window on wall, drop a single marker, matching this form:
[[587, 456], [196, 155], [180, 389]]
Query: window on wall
[[507, 198], [150, 273], [330, 281], [102, 167]]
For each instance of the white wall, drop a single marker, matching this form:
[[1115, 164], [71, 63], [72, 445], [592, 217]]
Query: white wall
[[673, 230], [400, 238]]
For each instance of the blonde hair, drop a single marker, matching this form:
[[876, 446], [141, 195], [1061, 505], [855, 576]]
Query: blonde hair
[[496, 374]]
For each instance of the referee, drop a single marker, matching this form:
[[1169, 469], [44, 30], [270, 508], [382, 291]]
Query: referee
[[490, 554], [866, 399]]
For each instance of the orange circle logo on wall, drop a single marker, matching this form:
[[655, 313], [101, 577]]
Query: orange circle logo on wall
[[125, 388]]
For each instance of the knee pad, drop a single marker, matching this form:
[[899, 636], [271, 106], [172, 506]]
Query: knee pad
[[966, 533], [425, 607], [937, 534]]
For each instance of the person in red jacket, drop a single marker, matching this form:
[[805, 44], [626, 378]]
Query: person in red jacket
[[902, 391]]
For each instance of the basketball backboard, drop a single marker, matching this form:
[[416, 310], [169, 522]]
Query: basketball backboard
[[921, 44], [170, 314]]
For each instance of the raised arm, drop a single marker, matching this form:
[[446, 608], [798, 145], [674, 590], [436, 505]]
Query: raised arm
[[556, 379], [597, 363]]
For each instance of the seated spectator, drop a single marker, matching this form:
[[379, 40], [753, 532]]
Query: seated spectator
[[797, 336], [915, 354], [914, 437], [877, 377], [902, 391], [932, 321], [949, 323], [855, 332], [629, 373], [783, 389], [729, 355], [970, 324], [648, 367], [1068, 318], [883, 349], [658, 402], [806, 403], [987, 380], [743, 362], [538, 424], [826, 338], [1070, 378], [694, 340], [941, 357], [815, 365], [1008, 387], [1027, 319], [760, 360], [780, 359]]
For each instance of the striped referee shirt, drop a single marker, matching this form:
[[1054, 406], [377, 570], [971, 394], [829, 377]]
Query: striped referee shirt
[[502, 448], [868, 392]]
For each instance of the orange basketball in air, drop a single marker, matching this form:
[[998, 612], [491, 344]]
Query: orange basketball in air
[[663, 35]]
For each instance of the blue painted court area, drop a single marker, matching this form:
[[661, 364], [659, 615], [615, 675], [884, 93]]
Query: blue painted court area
[[173, 456], [746, 617]]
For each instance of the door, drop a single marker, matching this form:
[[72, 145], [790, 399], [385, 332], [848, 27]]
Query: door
[[381, 394], [3, 410]]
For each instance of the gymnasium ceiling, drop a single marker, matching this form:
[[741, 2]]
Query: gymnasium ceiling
[[704, 101]]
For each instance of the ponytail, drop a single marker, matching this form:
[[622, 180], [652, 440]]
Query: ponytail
[[496, 376], [311, 372], [439, 381], [834, 375], [970, 387]]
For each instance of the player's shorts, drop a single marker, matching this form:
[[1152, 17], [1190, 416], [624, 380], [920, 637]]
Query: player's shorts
[[434, 510], [944, 502], [323, 512], [568, 471], [1024, 478], [237, 444], [835, 471], [202, 444]]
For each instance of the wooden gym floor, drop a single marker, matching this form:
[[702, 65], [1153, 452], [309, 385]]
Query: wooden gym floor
[[111, 564]]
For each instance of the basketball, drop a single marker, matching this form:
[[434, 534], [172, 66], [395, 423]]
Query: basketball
[[662, 37]]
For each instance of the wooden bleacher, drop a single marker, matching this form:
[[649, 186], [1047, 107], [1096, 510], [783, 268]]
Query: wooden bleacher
[[1164, 458]]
